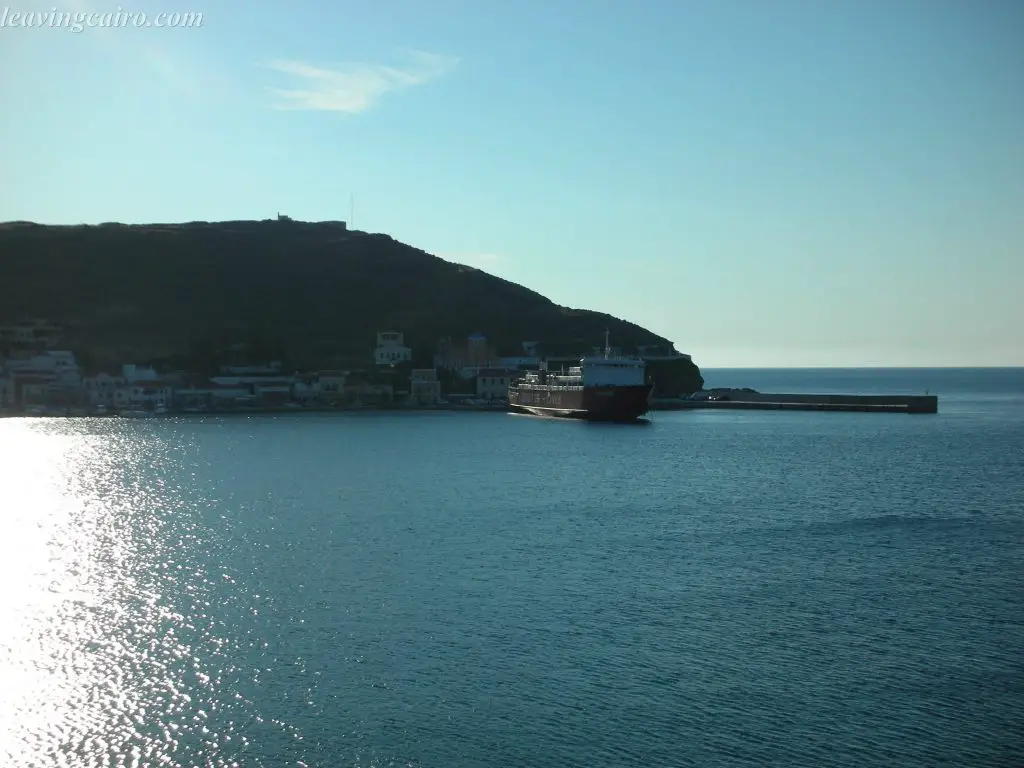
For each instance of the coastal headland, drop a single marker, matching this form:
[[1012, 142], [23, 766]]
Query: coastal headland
[[215, 316], [279, 316]]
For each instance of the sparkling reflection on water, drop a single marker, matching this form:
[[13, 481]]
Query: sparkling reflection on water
[[111, 641], [452, 590]]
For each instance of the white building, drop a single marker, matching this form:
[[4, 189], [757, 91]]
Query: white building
[[144, 395], [424, 387], [132, 373], [305, 388], [101, 388], [52, 375], [493, 383], [59, 363], [391, 348], [330, 385], [273, 389], [365, 393], [212, 396]]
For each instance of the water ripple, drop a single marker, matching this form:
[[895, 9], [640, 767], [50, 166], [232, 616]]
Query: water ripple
[[398, 592]]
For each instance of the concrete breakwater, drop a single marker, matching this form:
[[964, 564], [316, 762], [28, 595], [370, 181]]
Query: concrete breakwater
[[745, 399]]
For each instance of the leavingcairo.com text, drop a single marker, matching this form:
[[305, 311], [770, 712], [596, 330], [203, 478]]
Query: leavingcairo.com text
[[76, 21]]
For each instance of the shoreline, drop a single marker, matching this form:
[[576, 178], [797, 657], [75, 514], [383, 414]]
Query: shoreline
[[76, 413], [736, 400]]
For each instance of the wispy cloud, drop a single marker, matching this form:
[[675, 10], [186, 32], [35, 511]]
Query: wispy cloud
[[354, 87]]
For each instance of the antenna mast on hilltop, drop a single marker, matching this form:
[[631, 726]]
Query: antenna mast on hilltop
[[351, 210]]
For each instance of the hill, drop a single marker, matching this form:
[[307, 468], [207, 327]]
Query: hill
[[312, 293]]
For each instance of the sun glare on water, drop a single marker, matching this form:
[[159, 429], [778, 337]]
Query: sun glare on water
[[109, 654]]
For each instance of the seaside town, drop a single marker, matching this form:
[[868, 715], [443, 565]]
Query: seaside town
[[39, 377]]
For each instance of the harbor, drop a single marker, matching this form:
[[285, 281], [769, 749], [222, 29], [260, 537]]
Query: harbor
[[37, 378]]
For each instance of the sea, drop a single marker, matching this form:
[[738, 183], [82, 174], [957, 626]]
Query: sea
[[710, 588]]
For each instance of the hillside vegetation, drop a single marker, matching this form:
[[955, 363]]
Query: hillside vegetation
[[312, 293]]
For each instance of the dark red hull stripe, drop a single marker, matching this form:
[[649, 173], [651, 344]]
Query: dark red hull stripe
[[596, 403]]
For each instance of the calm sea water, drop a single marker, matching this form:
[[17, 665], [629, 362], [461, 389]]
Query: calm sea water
[[713, 589]]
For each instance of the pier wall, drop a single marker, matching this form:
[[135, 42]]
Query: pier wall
[[912, 403], [811, 402]]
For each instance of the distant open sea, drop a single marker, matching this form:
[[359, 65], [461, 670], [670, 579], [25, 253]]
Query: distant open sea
[[714, 588]]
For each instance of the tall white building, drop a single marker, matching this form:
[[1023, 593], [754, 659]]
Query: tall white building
[[391, 348]]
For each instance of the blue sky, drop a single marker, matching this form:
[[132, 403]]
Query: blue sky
[[790, 183]]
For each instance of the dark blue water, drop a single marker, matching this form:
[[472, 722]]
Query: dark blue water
[[717, 588]]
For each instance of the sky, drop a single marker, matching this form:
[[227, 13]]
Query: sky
[[765, 183]]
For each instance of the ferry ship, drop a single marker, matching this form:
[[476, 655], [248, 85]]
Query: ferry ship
[[600, 388]]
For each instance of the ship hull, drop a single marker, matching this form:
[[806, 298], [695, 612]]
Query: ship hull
[[613, 403]]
